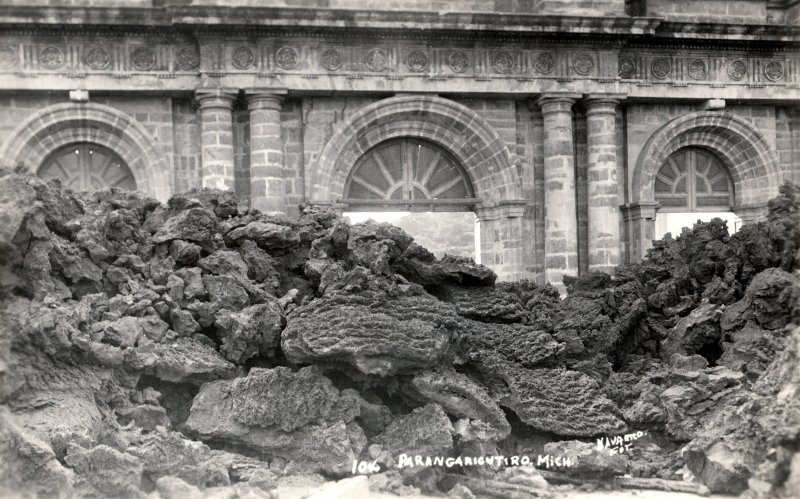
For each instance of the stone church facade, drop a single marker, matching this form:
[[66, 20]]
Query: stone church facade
[[566, 126]]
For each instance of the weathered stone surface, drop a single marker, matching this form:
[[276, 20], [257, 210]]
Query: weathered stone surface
[[225, 292], [254, 331], [183, 252], [184, 361], [420, 266], [521, 344], [719, 467], [28, 465], [269, 236], [167, 453], [767, 301], [461, 397], [694, 333], [375, 332], [195, 224], [426, 431], [282, 413], [490, 304], [557, 401], [105, 471]]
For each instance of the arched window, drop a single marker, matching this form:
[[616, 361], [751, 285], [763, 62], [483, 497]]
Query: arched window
[[405, 175], [693, 179], [84, 166], [407, 169], [693, 184]]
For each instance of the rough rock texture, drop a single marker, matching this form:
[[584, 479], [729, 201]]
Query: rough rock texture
[[461, 397], [164, 350], [426, 431], [558, 401], [377, 332], [292, 415]]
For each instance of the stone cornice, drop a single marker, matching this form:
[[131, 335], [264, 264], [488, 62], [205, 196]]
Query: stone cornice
[[257, 20]]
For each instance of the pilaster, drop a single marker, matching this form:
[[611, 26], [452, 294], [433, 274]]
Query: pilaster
[[501, 236], [640, 220]]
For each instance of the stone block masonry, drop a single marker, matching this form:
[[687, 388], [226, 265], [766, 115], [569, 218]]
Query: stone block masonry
[[216, 119]]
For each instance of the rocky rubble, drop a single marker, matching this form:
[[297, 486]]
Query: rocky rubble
[[199, 349]]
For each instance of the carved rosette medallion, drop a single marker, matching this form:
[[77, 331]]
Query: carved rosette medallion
[[143, 58], [187, 58], [458, 61], [287, 58], [627, 68], [417, 61], [583, 64], [503, 62], [544, 62], [737, 70], [773, 70], [51, 57], [331, 60], [8, 56], [697, 70], [661, 68], [376, 60], [97, 58], [243, 58]]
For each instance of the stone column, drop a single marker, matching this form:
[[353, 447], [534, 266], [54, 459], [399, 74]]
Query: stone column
[[267, 185], [560, 213], [216, 125], [603, 200], [501, 238]]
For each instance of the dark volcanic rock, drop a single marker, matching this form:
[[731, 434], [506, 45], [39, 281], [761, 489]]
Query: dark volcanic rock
[[375, 332], [195, 225], [185, 360], [298, 416], [557, 401], [426, 431], [518, 343], [269, 236], [461, 397], [484, 304], [122, 319], [254, 331]]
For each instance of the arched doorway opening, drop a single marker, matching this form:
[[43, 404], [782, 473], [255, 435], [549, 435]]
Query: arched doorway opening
[[420, 187], [693, 184], [85, 166]]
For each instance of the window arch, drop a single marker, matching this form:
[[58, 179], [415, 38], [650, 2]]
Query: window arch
[[84, 166], [693, 179], [408, 171]]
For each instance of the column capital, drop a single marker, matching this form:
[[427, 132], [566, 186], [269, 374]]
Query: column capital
[[510, 208], [264, 100], [215, 98], [642, 210], [557, 102], [602, 103]]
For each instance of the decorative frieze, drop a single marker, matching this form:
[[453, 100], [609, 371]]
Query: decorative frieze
[[312, 57], [714, 69]]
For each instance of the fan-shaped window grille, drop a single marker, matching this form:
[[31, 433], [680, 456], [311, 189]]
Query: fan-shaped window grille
[[85, 166], [410, 170], [693, 179]]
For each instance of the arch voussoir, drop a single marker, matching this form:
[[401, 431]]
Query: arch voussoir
[[62, 124]]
